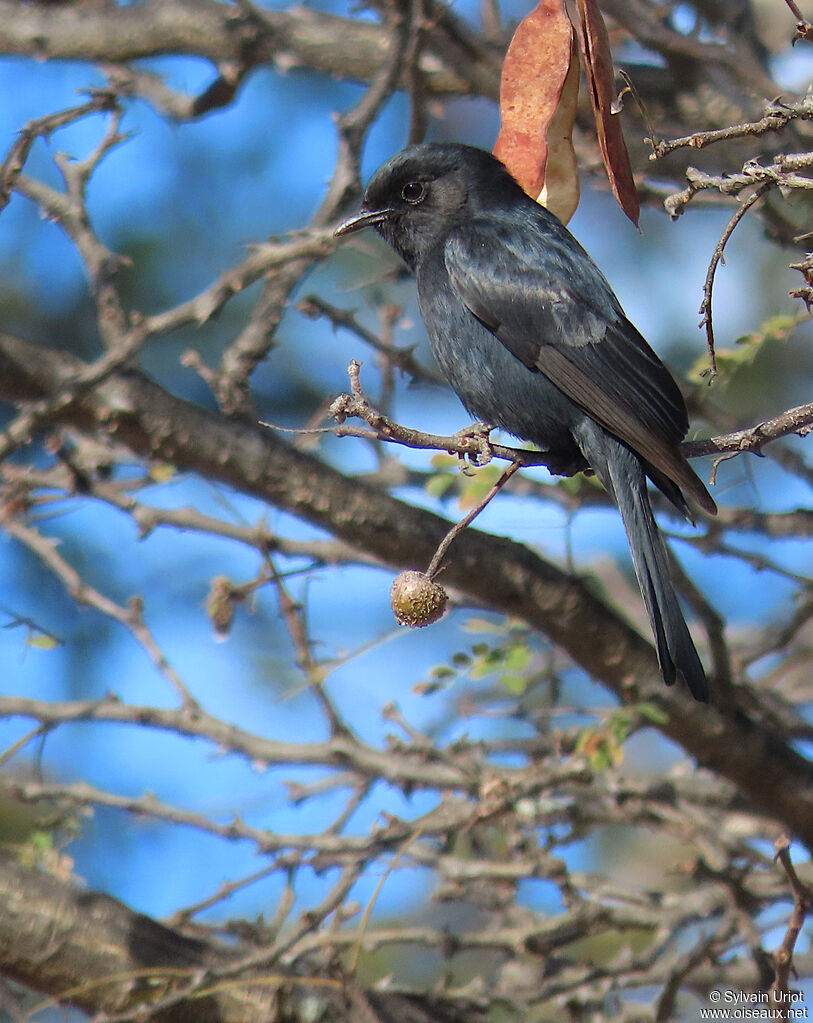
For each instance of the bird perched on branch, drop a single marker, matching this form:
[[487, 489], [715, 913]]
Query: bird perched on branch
[[531, 337]]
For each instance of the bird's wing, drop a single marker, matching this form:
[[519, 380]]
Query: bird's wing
[[548, 303]]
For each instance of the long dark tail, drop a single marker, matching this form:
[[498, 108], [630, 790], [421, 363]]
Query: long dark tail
[[621, 473]]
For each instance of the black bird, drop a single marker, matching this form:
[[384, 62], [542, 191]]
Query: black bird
[[531, 337]]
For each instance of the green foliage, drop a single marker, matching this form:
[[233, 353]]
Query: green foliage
[[42, 641], [473, 483], [603, 744], [509, 659], [730, 361], [35, 636]]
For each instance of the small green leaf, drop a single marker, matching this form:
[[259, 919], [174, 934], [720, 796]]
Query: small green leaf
[[748, 346], [518, 657], [442, 671], [478, 485], [437, 486], [41, 641], [42, 841], [652, 713], [161, 472], [443, 461], [479, 625], [515, 684], [486, 664]]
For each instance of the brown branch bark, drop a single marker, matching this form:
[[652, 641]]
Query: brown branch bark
[[124, 957], [53, 932], [781, 997], [797, 420], [98, 939], [340, 47], [452, 61]]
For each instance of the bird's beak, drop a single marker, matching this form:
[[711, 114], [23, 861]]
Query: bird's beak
[[367, 218]]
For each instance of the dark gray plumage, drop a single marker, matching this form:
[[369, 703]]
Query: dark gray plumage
[[531, 337]]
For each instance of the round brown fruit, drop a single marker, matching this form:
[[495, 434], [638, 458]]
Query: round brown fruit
[[416, 600]]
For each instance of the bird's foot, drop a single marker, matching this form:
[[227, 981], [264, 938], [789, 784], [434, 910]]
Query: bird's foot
[[478, 443]]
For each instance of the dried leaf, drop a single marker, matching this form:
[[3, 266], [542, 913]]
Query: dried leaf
[[560, 192], [538, 97], [598, 66]]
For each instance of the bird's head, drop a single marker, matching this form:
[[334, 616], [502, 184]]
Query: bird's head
[[416, 197]]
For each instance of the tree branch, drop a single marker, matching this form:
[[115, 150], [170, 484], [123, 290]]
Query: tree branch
[[127, 960], [134, 411], [338, 47]]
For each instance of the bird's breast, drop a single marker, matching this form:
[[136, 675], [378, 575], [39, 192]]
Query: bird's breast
[[493, 384]]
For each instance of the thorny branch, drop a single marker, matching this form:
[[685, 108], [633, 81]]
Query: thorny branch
[[101, 102], [788, 172], [708, 284], [471, 444], [230, 383], [804, 30], [131, 617], [783, 956]]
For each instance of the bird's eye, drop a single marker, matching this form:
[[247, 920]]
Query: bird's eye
[[413, 191]]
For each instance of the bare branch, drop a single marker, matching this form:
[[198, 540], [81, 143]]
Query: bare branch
[[783, 957], [797, 420], [44, 127], [708, 285], [131, 617], [777, 116]]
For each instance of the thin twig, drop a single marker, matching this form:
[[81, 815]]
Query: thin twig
[[804, 29], [783, 956], [777, 116], [293, 614], [181, 917], [45, 126], [131, 616], [365, 919], [705, 305], [458, 528], [798, 420], [313, 306]]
